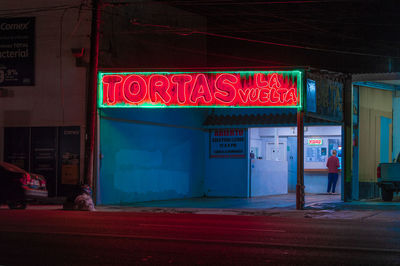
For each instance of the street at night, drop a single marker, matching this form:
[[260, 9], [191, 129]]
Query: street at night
[[56, 237], [199, 132]]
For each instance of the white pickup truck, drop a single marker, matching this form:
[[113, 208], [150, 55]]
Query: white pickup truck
[[389, 178]]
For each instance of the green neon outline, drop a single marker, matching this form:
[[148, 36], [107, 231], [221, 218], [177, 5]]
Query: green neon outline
[[294, 74]]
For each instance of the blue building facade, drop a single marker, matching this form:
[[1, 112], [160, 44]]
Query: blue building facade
[[148, 154]]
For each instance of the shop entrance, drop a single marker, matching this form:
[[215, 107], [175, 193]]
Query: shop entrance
[[273, 159], [375, 126]]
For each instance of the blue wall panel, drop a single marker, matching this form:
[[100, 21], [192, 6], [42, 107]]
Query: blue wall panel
[[144, 162], [396, 126], [384, 147], [292, 163], [226, 177]]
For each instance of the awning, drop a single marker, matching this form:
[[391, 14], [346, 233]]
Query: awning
[[261, 120]]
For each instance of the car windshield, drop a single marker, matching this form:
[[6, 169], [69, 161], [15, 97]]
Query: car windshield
[[11, 167]]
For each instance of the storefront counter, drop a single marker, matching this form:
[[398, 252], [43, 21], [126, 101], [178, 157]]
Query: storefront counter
[[317, 170], [316, 181]]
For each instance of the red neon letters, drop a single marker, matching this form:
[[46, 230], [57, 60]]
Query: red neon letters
[[199, 89], [315, 142]]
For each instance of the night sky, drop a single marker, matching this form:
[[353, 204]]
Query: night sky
[[348, 36]]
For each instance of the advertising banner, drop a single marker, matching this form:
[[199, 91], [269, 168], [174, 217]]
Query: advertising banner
[[16, 146], [17, 50], [70, 155]]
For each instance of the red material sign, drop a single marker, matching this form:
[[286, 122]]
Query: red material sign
[[315, 142], [240, 89]]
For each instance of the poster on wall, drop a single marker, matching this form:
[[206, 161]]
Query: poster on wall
[[44, 155], [311, 96], [315, 154], [70, 151], [17, 49], [228, 143], [16, 146], [326, 96]]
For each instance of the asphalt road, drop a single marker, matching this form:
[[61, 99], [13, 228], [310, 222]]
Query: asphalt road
[[55, 237]]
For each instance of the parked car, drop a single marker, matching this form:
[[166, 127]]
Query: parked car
[[388, 175], [17, 186]]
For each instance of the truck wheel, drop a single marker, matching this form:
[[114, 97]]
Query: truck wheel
[[387, 195]]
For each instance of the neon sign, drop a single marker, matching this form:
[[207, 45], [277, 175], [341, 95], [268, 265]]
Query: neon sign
[[315, 141], [245, 89]]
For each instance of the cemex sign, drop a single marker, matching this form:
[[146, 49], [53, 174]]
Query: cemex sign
[[240, 89], [17, 51]]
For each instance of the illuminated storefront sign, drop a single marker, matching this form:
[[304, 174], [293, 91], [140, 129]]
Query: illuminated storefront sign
[[194, 89], [315, 141]]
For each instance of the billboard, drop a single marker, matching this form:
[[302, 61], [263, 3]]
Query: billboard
[[17, 50], [245, 89]]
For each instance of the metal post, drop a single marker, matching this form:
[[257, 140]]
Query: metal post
[[300, 160], [91, 107], [348, 140]]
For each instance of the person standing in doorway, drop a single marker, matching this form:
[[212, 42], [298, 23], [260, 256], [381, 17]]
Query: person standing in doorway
[[333, 170]]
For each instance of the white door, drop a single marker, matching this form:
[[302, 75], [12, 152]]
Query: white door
[[276, 153]]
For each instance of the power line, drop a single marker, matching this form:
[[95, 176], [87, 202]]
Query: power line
[[191, 31], [35, 10], [247, 3]]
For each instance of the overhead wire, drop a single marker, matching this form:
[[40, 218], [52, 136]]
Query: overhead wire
[[215, 33], [247, 3], [295, 17], [33, 11], [211, 34]]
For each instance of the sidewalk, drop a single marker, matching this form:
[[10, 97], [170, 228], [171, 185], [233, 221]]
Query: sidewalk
[[318, 206]]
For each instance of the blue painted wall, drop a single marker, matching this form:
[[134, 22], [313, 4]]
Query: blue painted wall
[[144, 161], [225, 177], [155, 154], [384, 141], [396, 125], [292, 163]]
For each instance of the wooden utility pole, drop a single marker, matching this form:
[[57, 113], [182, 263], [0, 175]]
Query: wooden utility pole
[[300, 160], [91, 103]]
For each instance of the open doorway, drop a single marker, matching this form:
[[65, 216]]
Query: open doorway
[[273, 153]]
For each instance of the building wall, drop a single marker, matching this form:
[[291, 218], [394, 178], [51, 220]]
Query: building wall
[[58, 96], [396, 125], [159, 153], [152, 154], [268, 178], [226, 177], [374, 104]]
